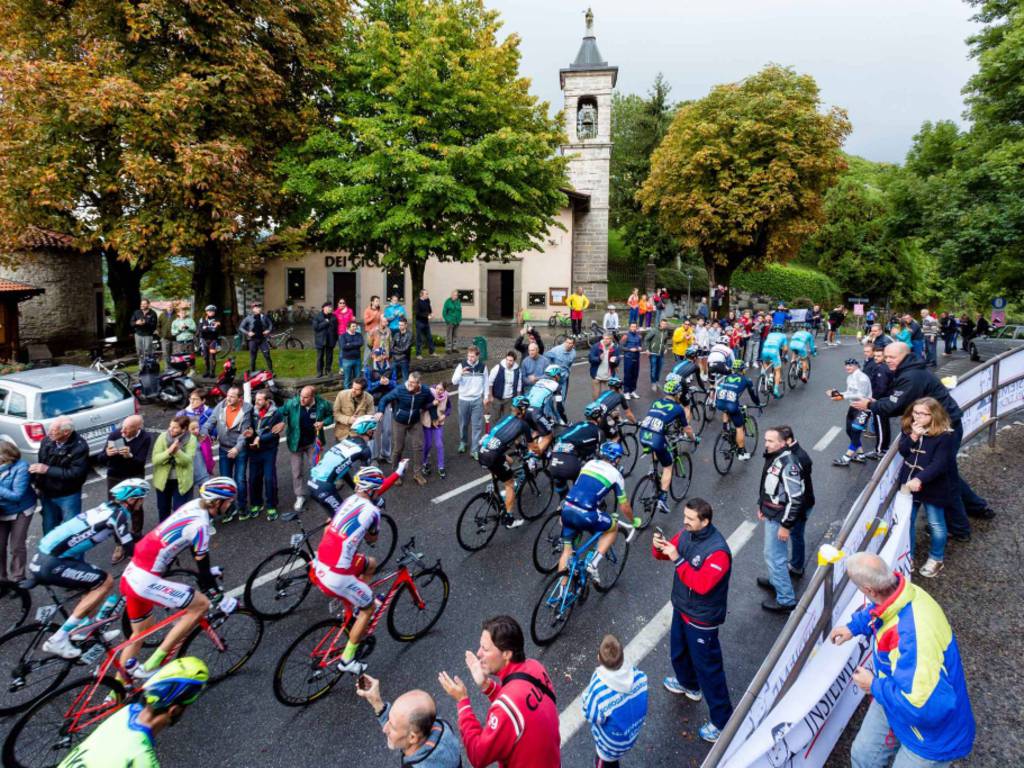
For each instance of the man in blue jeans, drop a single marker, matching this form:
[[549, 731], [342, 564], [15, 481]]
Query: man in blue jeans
[[59, 473], [231, 418], [261, 446], [350, 353], [780, 507]]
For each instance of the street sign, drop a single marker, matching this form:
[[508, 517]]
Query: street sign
[[998, 317], [999, 302]]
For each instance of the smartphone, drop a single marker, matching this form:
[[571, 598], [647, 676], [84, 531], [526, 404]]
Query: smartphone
[[363, 683], [117, 444], [660, 532]]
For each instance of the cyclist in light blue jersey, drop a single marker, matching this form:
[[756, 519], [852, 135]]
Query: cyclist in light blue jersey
[[801, 344], [774, 347], [341, 463]]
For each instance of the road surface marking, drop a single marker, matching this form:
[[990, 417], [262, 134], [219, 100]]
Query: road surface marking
[[299, 563], [827, 438], [646, 640], [461, 489]]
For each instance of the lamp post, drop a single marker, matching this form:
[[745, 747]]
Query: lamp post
[[689, 282]]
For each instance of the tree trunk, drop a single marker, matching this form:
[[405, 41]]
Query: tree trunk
[[719, 274], [212, 281], [125, 283], [417, 269]]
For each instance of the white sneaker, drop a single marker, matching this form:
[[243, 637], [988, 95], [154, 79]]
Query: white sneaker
[[62, 648], [931, 568], [593, 573], [743, 456], [300, 502], [353, 667], [514, 522], [141, 674]]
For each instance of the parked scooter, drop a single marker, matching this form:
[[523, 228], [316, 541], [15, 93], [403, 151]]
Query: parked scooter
[[171, 387]]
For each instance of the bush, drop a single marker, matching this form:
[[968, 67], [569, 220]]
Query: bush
[[675, 281], [788, 283]]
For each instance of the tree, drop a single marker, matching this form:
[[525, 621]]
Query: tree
[[150, 130], [432, 146], [741, 173], [638, 126]]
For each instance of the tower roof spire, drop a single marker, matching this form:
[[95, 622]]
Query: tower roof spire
[[588, 58]]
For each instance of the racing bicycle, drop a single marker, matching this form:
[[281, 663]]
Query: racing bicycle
[[414, 602], [794, 372], [645, 495], [726, 448]]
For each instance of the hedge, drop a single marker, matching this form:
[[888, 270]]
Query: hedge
[[788, 282]]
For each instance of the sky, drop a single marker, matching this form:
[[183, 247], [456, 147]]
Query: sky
[[892, 64]]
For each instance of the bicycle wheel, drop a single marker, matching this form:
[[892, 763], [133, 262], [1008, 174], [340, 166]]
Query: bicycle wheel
[[697, 421], [750, 433], [479, 521], [410, 620], [227, 643], [293, 343], [26, 672], [278, 585], [553, 610], [535, 495], [309, 667], [682, 475], [793, 375], [124, 378], [160, 613], [644, 500], [15, 603], [552, 321], [630, 452], [723, 453], [610, 568], [387, 537], [547, 547], [45, 734]]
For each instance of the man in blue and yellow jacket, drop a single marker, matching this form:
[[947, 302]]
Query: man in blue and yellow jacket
[[918, 685]]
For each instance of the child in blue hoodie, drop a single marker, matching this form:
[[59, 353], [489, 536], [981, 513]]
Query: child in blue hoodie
[[615, 704]]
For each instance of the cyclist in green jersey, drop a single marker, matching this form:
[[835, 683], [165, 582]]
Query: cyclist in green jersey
[[125, 739]]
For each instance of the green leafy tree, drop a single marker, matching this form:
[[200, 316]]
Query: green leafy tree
[[433, 146], [741, 174], [638, 126], [150, 130]]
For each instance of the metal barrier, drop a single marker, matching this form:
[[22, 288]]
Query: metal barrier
[[987, 395]]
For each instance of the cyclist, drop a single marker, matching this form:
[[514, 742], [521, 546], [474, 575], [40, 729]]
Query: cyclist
[[541, 414], [688, 373], [772, 350], [503, 437], [611, 401], [583, 509], [142, 582], [60, 561], [720, 359], [340, 463], [801, 344], [727, 400], [665, 416], [126, 737], [340, 570], [575, 446]]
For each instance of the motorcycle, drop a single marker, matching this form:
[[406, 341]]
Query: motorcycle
[[171, 387], [250, 383]]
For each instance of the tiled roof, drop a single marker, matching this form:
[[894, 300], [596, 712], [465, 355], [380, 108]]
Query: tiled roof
[[12, 286], [47, 239]]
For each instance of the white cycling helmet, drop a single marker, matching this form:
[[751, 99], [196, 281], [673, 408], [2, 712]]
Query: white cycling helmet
[[218, 489]]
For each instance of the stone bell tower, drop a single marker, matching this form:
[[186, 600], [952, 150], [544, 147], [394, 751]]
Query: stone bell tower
[[587, 84]]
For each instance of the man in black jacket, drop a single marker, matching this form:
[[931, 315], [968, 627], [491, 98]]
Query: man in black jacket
[[881, 379], [912, 381], [423, 314], [780, 506], [126, 455], [409, 403], [796, 533], [60, 472], [401, 348], [143, 325], [256, 329], [325, 338]]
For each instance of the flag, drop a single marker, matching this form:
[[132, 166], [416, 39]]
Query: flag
[[318, 448]]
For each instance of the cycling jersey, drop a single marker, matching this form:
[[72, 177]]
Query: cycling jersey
[[583, 509], [686, 370], [802, 343], [542, 392], [188, 527], [504, 434], [580, 439], [611, 400], [728, 393], [720, 354], [339, 547], [773, 347], [72, 539], [338, 462], [664, 415], [120, 741]]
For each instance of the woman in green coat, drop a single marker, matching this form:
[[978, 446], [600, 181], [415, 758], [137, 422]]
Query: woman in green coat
[[173, 455]]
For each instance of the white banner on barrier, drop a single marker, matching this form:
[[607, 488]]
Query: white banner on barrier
[[802, 728]]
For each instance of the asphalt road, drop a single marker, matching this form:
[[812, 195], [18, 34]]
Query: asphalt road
[[239, 723]]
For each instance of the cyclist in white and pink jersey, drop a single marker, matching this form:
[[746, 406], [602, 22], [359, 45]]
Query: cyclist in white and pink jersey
[[143, 585], [339, 569]]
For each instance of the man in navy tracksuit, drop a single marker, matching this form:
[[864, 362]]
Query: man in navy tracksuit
[[408, 403], [700, 589]]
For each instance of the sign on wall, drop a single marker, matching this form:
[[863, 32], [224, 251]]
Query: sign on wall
[[557, 296], [466, 297], [536, 299], [330, 262]]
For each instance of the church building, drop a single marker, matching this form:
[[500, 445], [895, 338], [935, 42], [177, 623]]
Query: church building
[[537, 281]]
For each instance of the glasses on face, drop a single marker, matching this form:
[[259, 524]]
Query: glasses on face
[[923, 413]]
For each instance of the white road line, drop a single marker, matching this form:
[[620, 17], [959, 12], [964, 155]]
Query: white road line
[[646, 640], [461, 489], [827, 438], [299, 563]]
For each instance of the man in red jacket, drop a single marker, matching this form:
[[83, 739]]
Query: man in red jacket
[[521, 727]]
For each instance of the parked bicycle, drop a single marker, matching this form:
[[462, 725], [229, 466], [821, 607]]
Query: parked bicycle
[[286, 339], [588, 336], [726, 448], [645, 495], [113, 369], [414, 602], [279, 584]]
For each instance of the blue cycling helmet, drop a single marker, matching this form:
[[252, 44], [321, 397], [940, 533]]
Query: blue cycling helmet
[[364, 425], [610, 451], [692, 350], [615, 383], [554, 371], [594, 411], [132, 488], [520, 402], [178, 682]]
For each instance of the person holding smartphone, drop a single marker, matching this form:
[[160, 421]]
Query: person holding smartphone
[[125, 455]]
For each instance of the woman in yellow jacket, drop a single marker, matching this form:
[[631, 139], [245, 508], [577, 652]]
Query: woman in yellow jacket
[[577, 302], [682, 339]]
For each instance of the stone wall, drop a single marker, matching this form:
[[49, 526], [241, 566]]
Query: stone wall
[[64, 317]]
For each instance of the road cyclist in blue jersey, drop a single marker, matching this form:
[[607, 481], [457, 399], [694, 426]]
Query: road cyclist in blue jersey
[[341, 463], [60, 560], [801, 345], [663, 422], [727, 401], [615, 407], [772, 350], [574, 447], [688, 373], [542, 414], [508, 434]]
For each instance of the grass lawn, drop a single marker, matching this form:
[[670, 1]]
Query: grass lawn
[[293, 363]]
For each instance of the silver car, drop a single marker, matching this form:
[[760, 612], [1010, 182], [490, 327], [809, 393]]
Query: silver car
[[997, 341], [30, 401]]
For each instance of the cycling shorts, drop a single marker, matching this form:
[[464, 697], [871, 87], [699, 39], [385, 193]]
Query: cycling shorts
[[771, 356], [564, 467], [719, 367], [495, 462], [734, 411], [65, 572], [799, 349], [610, 427], [541, 422], [327, 495], [576, 520], [345, 586], [658, 446], [142, 590]]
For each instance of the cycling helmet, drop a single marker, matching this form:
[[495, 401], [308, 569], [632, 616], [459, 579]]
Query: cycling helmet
[[673, 385], [133, 488], [692, 350], [218, 489], [364, 425], [554, 371], [610, 451], [738, 365], [177, 682], [594, 411], [369, 479], [615, 383], [210, 308], [520, 402]]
